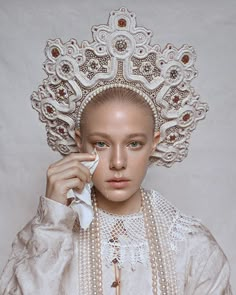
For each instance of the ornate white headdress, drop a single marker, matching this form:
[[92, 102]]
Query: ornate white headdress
[[120, 56]]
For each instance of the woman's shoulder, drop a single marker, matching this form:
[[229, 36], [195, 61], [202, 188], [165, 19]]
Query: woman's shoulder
[[171, 216], [179, 226]]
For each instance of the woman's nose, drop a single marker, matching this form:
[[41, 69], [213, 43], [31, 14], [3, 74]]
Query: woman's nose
[[118, 158]]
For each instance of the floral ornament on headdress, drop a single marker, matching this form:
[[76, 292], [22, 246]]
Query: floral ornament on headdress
[[120, 56]]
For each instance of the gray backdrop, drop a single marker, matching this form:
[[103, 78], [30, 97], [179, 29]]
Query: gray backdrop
[[203, 185]]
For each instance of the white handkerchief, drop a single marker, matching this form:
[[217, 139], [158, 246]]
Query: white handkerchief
[[82, 203]]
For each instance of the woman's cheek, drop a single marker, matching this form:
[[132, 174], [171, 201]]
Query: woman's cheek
[[101, 167], [140, 156]]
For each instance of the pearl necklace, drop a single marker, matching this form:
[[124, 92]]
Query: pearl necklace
[[96, 262], [156, 256], [157, 263]]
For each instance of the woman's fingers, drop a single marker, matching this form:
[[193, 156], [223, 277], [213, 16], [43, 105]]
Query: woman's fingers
[[71, 172], [75, 166], [68, 173], [60, 188], [75, 156]]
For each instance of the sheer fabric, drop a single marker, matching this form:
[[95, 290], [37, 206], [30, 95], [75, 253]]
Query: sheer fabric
[[46, 254]]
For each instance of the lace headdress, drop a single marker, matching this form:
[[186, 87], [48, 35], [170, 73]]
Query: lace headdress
[[120, 55]]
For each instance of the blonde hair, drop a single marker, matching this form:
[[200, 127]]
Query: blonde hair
[[120, 95]]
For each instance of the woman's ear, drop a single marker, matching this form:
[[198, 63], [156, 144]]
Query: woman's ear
[[156, 139], [78, 139]]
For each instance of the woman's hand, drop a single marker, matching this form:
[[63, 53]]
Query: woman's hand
[[67, 174]]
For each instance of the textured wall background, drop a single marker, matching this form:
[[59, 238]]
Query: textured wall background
[[203, 185]]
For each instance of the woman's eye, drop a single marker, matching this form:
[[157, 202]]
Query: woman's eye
[[135, 144], [100, 144]]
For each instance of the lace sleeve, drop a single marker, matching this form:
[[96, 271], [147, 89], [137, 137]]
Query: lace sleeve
[[40, 252]]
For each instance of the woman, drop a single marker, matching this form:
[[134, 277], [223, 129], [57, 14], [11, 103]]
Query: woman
[[114, 106]]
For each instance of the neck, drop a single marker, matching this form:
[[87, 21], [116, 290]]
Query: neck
[[130, 205]]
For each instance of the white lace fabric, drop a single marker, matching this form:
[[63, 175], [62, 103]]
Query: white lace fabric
[[123, 239]]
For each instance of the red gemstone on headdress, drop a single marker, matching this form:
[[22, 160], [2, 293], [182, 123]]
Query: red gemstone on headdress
[[176, 99], [49, 109], [122, 23], [185, 59], [186, 117], [55, 52], [172, 137], [61, 130], [62, 92]]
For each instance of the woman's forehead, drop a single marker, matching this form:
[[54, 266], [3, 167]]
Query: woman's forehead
[[117, 106], [117, 110], [116, 116]]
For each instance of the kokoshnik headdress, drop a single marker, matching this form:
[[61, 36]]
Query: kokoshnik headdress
[[120, 55]]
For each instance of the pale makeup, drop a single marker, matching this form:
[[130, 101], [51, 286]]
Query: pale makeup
[[122, 133]]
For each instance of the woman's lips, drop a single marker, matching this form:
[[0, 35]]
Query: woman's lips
[[118, 183]]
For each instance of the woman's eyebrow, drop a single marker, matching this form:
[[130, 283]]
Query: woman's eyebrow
[[101, 134], [137, 135], [105, 135]]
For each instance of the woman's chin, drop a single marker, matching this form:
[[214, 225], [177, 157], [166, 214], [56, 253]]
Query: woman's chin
[[116, 194]]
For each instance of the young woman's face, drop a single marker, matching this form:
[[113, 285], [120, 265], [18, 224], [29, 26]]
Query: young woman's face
[[122, 134]]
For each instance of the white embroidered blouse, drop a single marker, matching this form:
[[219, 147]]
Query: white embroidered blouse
[[50, 254]]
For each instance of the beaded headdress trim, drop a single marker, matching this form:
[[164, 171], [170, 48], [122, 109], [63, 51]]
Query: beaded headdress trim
[[120, 55]]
